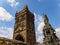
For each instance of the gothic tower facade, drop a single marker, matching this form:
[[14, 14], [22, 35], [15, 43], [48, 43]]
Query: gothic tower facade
[[50, 37], [24, 27]]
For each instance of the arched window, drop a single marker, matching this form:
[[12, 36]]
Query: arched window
[[20, 38], [48, 32]]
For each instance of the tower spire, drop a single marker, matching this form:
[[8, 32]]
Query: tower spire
[[50, 37], [26, 7], [46, 21]]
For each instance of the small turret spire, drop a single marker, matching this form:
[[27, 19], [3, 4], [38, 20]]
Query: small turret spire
[[46, 21], [26, 7]]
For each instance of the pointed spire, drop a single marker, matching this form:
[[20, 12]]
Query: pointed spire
[[26, 7], [45, 16], [46, 21]]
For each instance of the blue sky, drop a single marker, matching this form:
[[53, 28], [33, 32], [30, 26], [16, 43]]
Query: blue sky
[[8, 8]]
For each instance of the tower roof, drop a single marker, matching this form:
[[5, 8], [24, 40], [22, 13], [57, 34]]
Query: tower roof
[[24, 11], [45, 16]]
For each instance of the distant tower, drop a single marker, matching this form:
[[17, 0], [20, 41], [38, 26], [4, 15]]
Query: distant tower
[[24, 27], [50, 37]]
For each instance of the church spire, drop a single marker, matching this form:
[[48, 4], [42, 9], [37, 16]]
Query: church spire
[[26, 7], [46, 21], [50, 37]]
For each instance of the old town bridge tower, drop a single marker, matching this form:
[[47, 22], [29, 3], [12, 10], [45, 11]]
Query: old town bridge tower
[[24, 27]]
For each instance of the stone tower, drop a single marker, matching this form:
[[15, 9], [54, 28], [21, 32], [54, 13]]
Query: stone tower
[[50, 37], [24, 27]]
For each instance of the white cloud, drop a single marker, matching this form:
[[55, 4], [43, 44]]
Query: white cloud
[[38, 18], [40, 31], [5, 15], [6, 32], [39, 22], [13, 3], [40, 27], [40, 39], [58, 32]]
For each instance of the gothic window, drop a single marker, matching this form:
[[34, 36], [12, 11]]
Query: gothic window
[[48, 32], [20, 38], [52, 39]]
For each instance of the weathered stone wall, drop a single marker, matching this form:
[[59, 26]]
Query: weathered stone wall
[[10, 43], [24, 27], [5, 41]]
